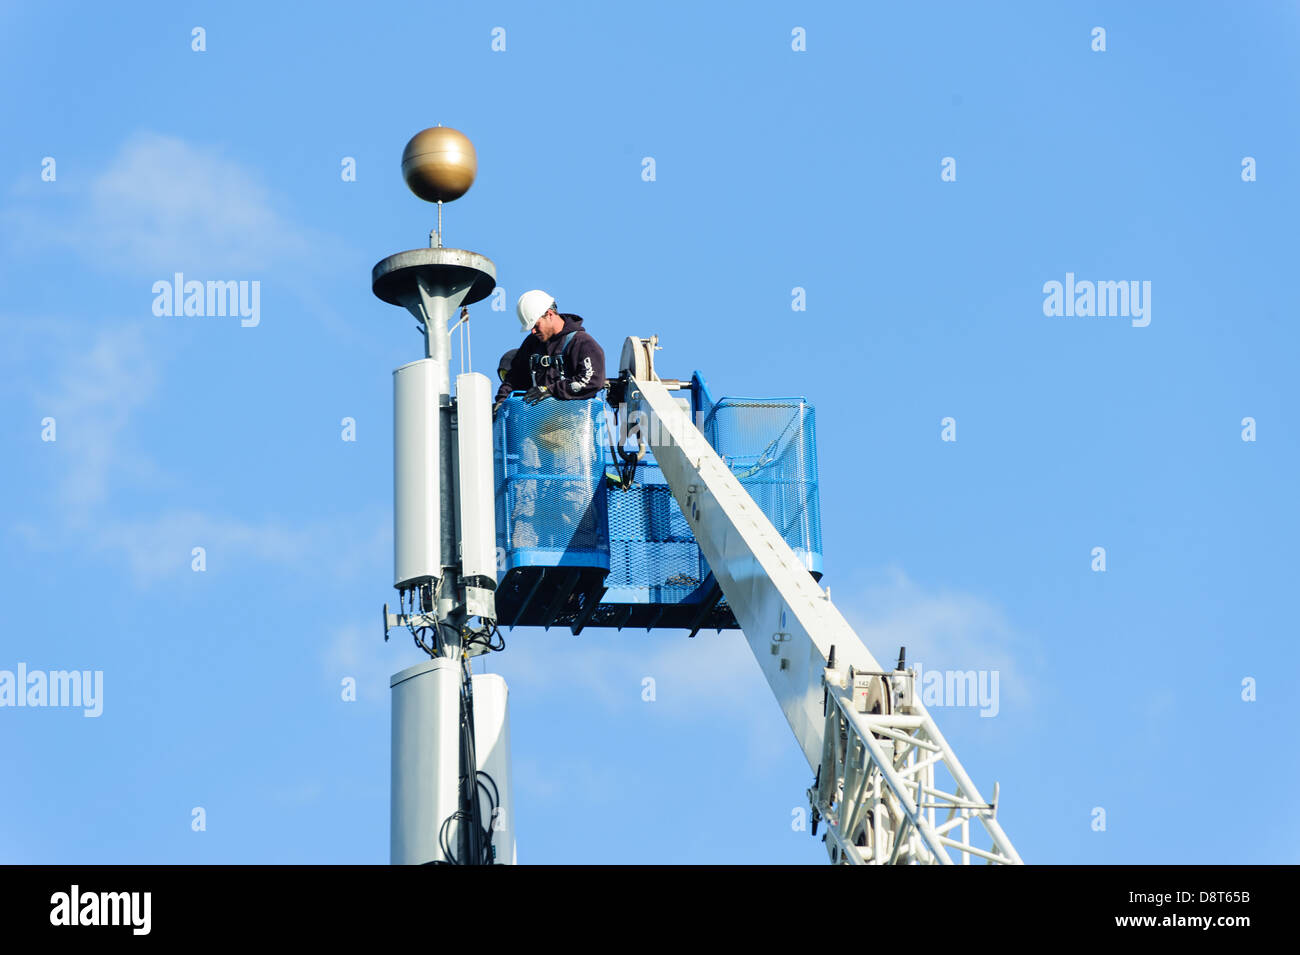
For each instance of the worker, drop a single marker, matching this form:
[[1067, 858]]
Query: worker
[[503, 367], [558, 360]]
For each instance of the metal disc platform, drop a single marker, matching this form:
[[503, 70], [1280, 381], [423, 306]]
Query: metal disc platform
[[395, 279]]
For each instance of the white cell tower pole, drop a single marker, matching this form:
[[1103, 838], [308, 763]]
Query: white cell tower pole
[[451, 799]]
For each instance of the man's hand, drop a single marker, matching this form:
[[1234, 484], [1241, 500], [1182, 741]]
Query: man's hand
[[537, 395]]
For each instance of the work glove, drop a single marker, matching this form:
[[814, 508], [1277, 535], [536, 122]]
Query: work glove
[[537, 395]]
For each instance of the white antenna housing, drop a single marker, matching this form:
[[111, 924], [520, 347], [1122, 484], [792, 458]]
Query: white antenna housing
[[417, 473], [476, 494]]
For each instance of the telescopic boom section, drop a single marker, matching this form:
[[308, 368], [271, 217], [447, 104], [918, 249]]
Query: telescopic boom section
[[887, 784]]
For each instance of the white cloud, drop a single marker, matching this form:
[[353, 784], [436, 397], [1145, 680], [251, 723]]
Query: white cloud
[[163, 205], [97, 386], [609, 665], [360, 652], [715, 677], [96, 389], [943, 630], [92, 379], [556, 780], [160, 546], [712, 677]]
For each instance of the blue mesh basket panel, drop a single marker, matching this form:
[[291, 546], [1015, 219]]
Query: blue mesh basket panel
[[653, 555], [701, 400], [550, 496], [771, 446]]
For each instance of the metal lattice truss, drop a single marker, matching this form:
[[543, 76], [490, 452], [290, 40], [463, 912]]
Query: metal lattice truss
[[879, 787]]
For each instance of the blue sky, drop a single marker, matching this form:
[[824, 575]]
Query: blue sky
[[775, 169]]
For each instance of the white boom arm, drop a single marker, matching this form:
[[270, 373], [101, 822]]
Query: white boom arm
[[875, 750]]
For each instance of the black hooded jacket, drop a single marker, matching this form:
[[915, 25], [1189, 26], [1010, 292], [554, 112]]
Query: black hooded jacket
[[583, 365]]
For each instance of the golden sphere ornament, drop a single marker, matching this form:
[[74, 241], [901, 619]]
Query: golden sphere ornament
[[439, 164]]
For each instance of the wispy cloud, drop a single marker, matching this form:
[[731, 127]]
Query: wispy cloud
[[103, 376], [715, 677], [162, 204], [90, 387], [610, 666], [942, 629], [710, 677], [555, 781], [159, 546], [360, 652]]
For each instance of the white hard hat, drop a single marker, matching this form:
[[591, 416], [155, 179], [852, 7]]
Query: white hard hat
[[532, 306]]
